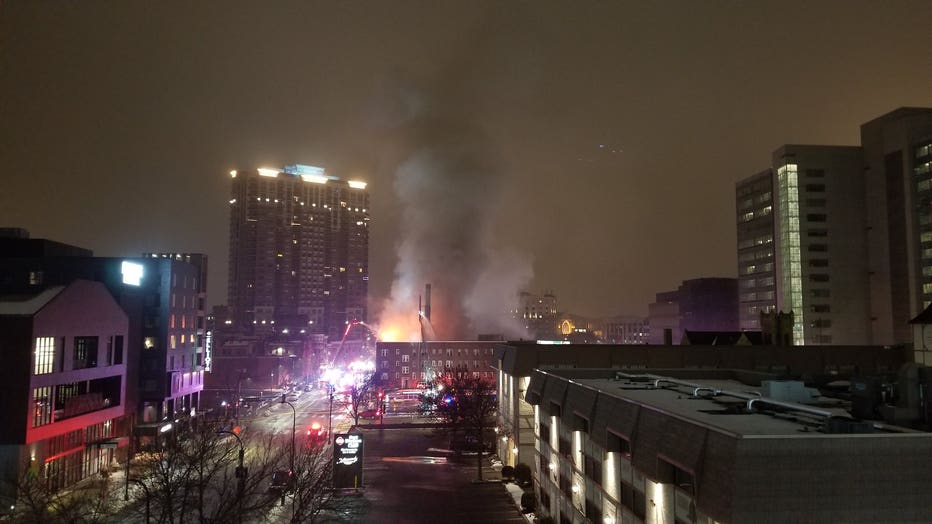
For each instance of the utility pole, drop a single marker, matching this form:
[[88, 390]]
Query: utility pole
[[330, 420]]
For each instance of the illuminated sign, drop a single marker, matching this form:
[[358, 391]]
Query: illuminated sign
[[265, 171], [355, 184], [132, 273], [347, 460], [303, 169]]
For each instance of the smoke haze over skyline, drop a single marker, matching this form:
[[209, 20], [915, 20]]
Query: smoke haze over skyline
[[588, 148]]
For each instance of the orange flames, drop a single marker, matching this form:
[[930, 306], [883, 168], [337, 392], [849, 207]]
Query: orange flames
[[399, 328]]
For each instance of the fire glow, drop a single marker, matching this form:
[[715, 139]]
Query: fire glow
[[399, 328]]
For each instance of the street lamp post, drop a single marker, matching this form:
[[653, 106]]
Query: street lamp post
[[294, 418], [241, 470], [291, 472]]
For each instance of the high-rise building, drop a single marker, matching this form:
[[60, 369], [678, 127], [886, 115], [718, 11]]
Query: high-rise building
[[299, 241], [820, 253], [756, 275], [845, 240], [898, 181]]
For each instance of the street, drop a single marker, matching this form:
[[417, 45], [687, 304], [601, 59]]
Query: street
[[409, 476]]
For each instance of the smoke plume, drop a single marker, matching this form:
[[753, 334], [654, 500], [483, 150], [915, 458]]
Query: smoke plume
[[448, 183]]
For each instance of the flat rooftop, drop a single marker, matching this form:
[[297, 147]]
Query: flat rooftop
[[722, 412]]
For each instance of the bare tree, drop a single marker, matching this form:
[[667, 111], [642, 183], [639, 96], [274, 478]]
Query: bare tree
[[85, 503], [312, 497], [463, 401], [192, 477], [360, 395]]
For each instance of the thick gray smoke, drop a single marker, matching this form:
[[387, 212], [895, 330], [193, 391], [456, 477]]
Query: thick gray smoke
[[449, 186]]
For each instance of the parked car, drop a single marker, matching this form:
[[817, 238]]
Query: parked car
[[281, 481], [370, 414]]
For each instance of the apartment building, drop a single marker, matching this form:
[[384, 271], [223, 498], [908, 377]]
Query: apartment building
[[299, 248]]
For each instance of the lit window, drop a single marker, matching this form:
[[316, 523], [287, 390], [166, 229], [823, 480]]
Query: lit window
[[45, 355]]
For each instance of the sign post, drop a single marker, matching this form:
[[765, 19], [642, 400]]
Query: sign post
[[347, 460]]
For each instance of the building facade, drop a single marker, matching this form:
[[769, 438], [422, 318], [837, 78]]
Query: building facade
[[515, 362], [626, 330], [821, 256], [756, 265], [298, 249], [163, 298], [701, 304], [63, 384], [407, 364], [538, 315], [630, 447], [898, 184], [849, 230]]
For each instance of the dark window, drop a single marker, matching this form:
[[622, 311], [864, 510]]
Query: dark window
[[118, 350], [592, 511], [566, 486], [618, 444], [822, 323], [545, 432], [85, 352], [817, 233], [816, 217], [820, 293], [815, 188], [565, 447], [821, 308], [815, 202], [818, 277], [640, 504], [593, 469], [815, 173], [818, 262], [627, 496]]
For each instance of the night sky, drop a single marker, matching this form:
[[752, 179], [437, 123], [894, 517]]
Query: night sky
[[616, 130]]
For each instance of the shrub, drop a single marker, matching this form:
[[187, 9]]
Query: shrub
[[528, 502], [523, 474], [508, 472]]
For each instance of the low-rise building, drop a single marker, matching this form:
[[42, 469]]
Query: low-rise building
[[63, 384], [406, 364], [715, 446]]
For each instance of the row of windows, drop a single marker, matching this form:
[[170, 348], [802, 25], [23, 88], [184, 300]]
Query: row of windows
[[758, 268], [749, 202], [751, 215], [423, 375], [924, 150], [85, 354], [763, 295], [750, 283], [756, 241], [440, 351], [755, 255]]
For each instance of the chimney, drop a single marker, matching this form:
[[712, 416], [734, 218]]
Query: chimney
[[427, 303]]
